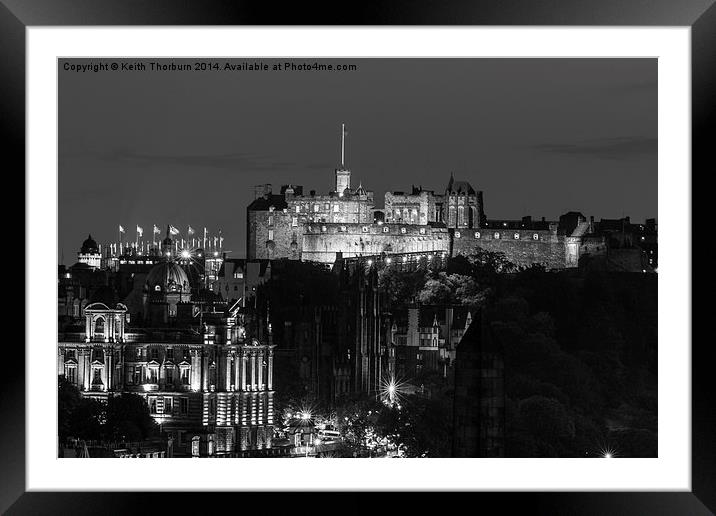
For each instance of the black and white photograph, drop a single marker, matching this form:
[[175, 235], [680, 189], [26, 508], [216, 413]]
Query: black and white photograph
[[357, 258]]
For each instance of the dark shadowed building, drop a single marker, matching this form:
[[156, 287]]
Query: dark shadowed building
[[479, 405]]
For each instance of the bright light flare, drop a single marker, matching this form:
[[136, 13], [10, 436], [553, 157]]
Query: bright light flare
[[391, 391], [185, 254], [607, 452]]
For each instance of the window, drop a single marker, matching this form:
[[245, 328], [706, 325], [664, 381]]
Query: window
[[152, 402], [298, 209], [422, 231], [365, 229], [168, 405], [316, 207], [386, 229], [516, 236], [184, 406], [170, 375], [270, 220], [496, 236], [69, 354], [457, 234], [97, 375], [154, 353], [71, 374], [336, 208], [137, 375], [403, 230], [185, 376], [294, 222], [170, 353], [324, 229], [270, 234], [153, 374], [535, 237], [343, 229], [477, 234], [328, 207]]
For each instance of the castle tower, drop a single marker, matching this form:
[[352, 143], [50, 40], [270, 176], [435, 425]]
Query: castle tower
[[343, 175], [168, 244]]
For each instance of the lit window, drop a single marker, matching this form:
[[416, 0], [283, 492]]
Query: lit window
[[403, 230], [316, 207], [535, 236], [327, 207], [324, 228], [386, 229], [270, 234], [342, 228], [298, 209], [238, 275], [365, 229], [270, 220], [294, 222], [336, 208], [516, 236], [168, 405], [457, 234], [496, 236], [477, 234], [422, 231]]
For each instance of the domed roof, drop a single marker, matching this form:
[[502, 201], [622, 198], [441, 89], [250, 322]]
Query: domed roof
[[89, 246], [168, 276]]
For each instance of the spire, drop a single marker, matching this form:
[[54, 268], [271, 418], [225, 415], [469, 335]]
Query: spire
[[343, 145]]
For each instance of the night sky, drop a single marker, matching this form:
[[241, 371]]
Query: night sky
[[539, 136]]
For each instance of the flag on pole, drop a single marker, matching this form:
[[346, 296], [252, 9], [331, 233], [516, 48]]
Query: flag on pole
[[121, 229], [157, 231], [140, 230], [173, 230]]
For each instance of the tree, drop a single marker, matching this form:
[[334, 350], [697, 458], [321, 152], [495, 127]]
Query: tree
[[448, 289], [68, 398], [77, 416], [128, 418]]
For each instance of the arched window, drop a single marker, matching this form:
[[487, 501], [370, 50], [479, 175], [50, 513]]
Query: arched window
[[99, 326]]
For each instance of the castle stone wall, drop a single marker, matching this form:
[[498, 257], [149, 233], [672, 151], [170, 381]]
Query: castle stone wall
[[321, 242], [521, 247]]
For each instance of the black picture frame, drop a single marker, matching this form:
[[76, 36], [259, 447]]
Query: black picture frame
[[700, 15]]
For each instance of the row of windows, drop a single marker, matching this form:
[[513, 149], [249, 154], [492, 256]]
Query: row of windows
[[138, 376], [497, 235], [317, 208], [364, 229], [168, 405]]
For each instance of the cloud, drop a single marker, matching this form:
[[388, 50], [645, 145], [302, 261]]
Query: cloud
[[230, 161], [619, 148]]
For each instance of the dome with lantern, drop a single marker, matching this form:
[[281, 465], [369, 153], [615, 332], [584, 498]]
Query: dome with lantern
[[166, 277]]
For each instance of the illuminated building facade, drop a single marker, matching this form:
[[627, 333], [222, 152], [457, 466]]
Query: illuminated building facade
[[208, 383]]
